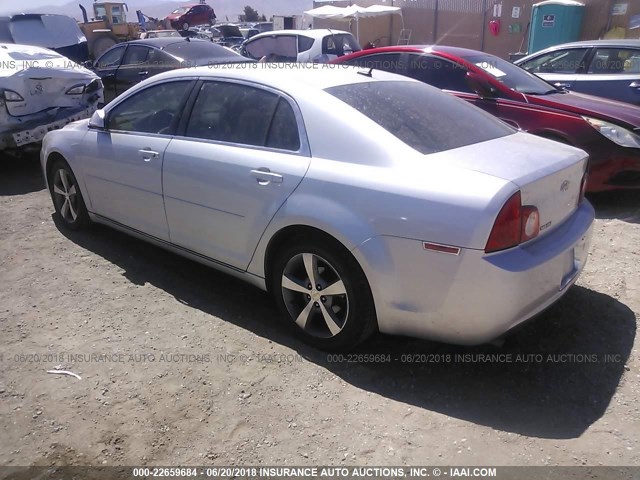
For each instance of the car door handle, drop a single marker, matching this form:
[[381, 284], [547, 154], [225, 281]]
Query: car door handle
[[264, 176], [147, 154], [143, 73], [635, 84], [562, 85]]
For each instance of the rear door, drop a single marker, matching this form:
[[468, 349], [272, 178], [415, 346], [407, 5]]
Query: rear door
[[133, 69], [240, 156], [106, 67], [612, 73]]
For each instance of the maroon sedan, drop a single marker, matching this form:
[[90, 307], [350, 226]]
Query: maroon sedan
[[608, 130], [189, 15]]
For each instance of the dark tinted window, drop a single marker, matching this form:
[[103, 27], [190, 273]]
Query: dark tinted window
[[560, 61], [230, 112], [304, 43], [284, 128], [439, 73], [136, 54], [389, 62], [422, 117], [201, 51], [111, 58], [153, 110]]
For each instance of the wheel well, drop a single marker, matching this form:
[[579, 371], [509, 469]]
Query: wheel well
[[51, 159], [285, 235]]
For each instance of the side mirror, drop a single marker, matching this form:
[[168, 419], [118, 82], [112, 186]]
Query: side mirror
[[97, 121], [481, 85], [88, 64]]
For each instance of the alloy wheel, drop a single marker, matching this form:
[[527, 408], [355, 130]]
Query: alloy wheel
[[315, 295], [66, 195]]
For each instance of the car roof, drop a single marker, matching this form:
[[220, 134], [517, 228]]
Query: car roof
[[619, 42], [286, 77], [315, 33]]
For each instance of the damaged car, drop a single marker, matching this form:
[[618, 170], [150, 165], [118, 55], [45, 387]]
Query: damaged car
[[40, 91]]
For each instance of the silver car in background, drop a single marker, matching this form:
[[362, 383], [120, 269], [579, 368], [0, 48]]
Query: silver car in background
[[360, 200]]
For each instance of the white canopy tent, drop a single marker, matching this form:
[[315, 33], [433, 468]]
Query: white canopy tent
[[353, 12]]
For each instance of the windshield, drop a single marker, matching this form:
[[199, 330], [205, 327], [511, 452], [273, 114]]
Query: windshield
[[423, 117], [181, 10], [511, 75]]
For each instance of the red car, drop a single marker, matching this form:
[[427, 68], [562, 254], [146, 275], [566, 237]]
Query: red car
[[190, 15], [607, 130]]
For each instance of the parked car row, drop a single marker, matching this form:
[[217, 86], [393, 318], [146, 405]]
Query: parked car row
[[607, 130]]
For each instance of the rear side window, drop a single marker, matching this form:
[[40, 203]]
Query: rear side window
[[281, 48], [422, 117], [304, 43], [283, 133], [234, 113]]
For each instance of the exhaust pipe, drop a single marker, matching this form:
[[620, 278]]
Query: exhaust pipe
[[84, 14]]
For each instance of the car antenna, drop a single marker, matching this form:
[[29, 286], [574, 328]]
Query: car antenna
[[365, 72]]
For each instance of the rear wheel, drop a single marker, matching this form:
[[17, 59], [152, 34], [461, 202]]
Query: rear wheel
[[185, 26], [323, 294], [67, 198]]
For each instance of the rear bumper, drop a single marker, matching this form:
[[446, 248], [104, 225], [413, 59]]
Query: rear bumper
[[31, 129], [472, 298]]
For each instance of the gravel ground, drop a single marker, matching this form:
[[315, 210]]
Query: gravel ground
[[184, 365]]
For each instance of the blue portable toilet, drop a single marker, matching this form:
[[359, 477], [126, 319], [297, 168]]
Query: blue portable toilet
[[554, 22]]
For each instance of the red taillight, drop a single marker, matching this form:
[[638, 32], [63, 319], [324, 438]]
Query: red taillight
[[506, 229], [514, 224]]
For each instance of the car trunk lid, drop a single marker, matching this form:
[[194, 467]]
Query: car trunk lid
[[549, 174]]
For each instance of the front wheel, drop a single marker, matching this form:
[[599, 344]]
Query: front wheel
[[185, 26], [67, 198], [323, 295]]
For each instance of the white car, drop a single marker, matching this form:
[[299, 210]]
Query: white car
[[319, 46], [40, 91], [359, 199]]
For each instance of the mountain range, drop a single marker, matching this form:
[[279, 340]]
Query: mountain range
[[226, 10]]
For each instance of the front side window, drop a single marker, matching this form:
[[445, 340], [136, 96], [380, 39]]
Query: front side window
[[111, 58], [560, 61], [422, 117], [615, 60], [234, 113], [153, 110]]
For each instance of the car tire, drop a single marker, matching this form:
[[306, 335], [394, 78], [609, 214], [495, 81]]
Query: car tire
[[334, 310], [185, 26], [70, 208]]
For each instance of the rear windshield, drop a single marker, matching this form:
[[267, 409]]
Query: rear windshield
[[422, 116]]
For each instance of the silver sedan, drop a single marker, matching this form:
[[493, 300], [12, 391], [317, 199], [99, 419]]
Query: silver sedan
[[359, 199]]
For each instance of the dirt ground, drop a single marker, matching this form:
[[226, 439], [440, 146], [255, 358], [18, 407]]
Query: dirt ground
[[184, 365]]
